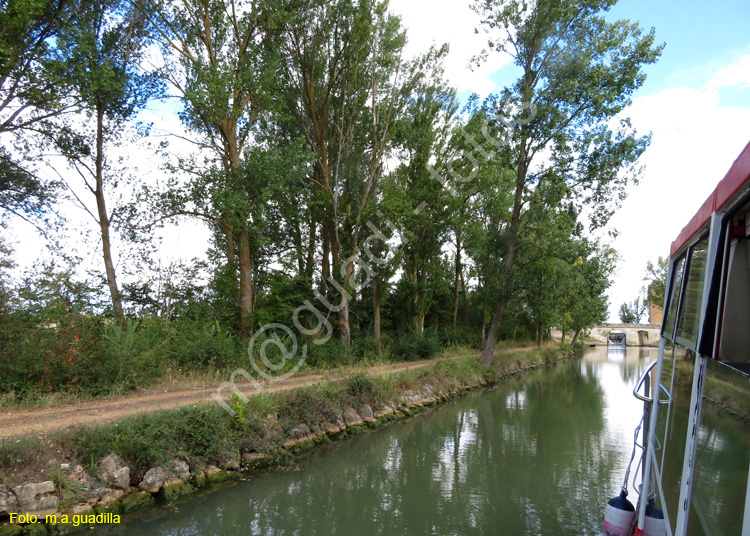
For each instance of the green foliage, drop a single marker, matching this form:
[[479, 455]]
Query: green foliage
[[461, 336], [631, 313], [22, 193], [239, 407], [413, 347], [329, 355], [262, 404], [656, 279], [305, 406], [362, 387], [300, 105], [579, 71], [194, 433], [34, 79], [52, 341]]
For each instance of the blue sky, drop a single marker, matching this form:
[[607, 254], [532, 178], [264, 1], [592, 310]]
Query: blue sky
[[700, 36], [695, 102]]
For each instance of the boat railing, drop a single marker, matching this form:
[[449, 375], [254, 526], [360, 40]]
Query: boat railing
[[646, 398]]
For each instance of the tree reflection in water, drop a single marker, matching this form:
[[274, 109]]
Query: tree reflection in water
[[539, 454]]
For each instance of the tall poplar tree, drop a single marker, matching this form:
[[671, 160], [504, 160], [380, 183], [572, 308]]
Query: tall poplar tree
[[222, 60], [103, 49], [416, 201], [578, 73], [347, 76]]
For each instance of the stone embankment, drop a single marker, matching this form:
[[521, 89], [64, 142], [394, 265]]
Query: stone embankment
[[77, 493], [113, 492]]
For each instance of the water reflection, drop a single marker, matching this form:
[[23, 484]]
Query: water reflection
[[540, 454], [723, 453]]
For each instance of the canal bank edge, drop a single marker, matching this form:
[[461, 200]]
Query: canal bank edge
[[115, 489]]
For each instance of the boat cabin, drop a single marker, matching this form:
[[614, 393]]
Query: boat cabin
[[703, 367]]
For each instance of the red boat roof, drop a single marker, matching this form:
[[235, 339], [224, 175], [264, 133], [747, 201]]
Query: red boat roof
[[737, 176]]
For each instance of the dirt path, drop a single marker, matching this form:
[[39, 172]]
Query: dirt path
[[41, 421]]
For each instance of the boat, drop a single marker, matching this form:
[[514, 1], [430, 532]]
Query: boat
[[694, 480]]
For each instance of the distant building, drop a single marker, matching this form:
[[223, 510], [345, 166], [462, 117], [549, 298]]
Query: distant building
[[655, 312]]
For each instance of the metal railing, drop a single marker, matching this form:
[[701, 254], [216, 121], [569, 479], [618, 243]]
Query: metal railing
[[648, 399]]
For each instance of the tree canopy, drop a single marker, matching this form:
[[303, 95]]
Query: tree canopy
[[349, 193]]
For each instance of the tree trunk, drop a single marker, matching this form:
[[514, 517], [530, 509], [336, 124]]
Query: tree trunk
[[539, 324], [456, 280], [465, 299], [489, 347], [484, 332], [230, 240], [415, 299], [345, 332], [246, 284], [298, 248], [539, 333], [575, 338], [101, 208], [515, 223], [311, 247], [376, 317], [325, 266], [376, 306], [241, 232]]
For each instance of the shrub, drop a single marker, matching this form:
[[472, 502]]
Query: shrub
[[460, 336], [192, 433], [330, 354], [363, 388], [304, 406], [203, 343], [44, 357], [413, 347]]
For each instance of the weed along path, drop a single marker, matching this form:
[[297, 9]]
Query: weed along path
[[44, 420]]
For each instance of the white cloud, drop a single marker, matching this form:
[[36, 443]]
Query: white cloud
[[735, 74], [695, 141], [427, 24]]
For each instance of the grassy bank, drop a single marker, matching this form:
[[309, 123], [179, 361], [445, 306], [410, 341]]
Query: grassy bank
[[77, 358], [203, 435]]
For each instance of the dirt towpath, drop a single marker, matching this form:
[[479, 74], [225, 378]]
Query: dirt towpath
[[43, 420]]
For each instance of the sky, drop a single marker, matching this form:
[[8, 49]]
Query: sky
[[695, 103]]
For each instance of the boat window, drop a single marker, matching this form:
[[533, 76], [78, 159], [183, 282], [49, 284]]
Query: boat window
[[671, 427], [690, 314], [722, 455], [735, 336], [674, 298]]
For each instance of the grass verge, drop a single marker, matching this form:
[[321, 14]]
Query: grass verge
[[205, 433]]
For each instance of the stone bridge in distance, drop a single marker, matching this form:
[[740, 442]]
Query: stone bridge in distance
[[635, 334]]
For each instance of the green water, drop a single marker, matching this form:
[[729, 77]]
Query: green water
[[539, 455]]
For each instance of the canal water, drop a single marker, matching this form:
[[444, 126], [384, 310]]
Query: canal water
[[538, 455]]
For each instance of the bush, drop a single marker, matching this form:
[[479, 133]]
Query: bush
[[460, 336], [413, 347], [363, 388], [330, 354], [66, 352], [193, 434], [204, 343]]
